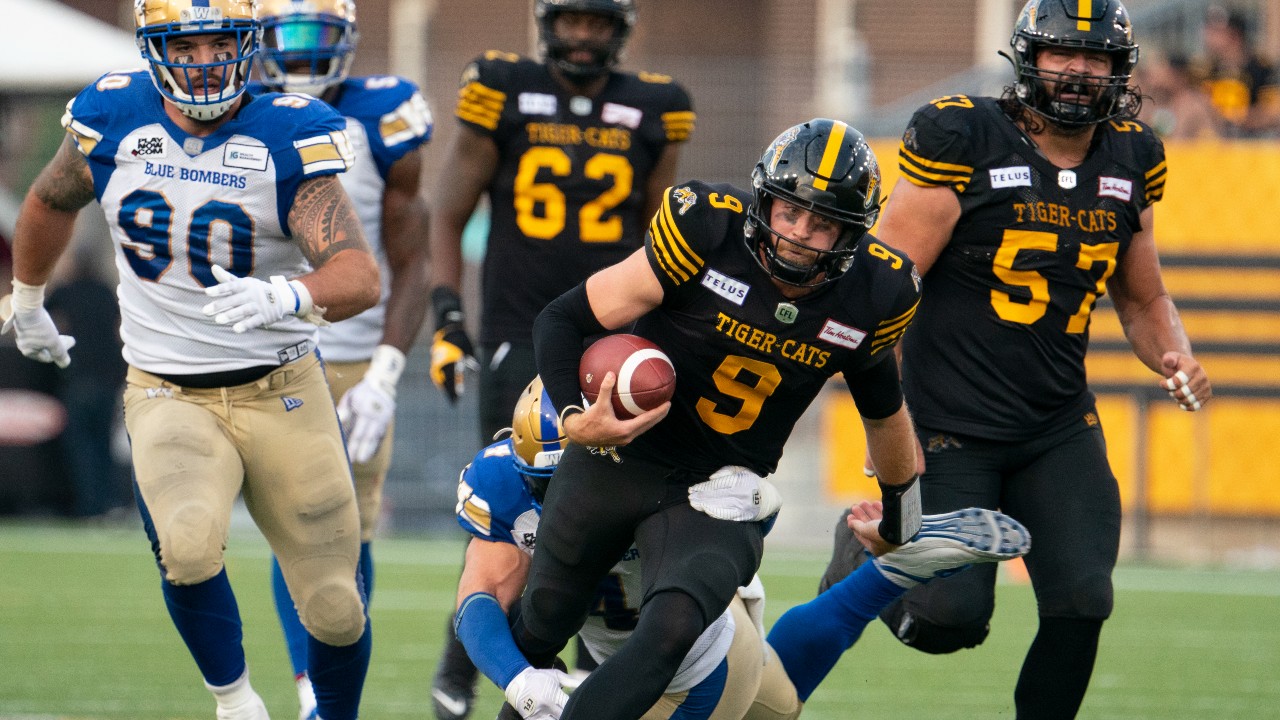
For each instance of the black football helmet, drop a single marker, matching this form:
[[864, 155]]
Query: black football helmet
[[823, 166], [1091, 24], [536, 438], [556, 51]]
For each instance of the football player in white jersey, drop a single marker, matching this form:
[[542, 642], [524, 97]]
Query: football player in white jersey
[[233, 239], [308, 48]]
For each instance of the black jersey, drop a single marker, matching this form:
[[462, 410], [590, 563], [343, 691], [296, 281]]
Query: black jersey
[[998, 347], [568, 195], [749, 361]]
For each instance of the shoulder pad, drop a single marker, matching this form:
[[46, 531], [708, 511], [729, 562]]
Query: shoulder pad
[[889, 285], [694, 218], [656, 78], [482, 92], [112, 98], [1144, 151], [935, 148]]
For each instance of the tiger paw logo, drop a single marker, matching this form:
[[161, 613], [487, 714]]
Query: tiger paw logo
[[938, 443], [686, 198], [1091, 419]]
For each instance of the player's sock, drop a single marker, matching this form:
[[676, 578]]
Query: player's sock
[[810, 638], [295, 636], [208, 619], [337, 674], [1055, 675]]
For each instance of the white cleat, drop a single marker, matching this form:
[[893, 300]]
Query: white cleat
[[948, 543], [251, 709]]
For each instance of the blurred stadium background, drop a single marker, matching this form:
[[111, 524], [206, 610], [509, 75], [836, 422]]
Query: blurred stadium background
[[1199, 491]]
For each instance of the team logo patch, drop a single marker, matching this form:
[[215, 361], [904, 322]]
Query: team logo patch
[[1008, 177], [537, 104], [685, 197], [842, 335], [615, 114], [160, 392], [291, 404], [735, 291], [1118, 188], [248, 157], [151, 147], [193, 146]]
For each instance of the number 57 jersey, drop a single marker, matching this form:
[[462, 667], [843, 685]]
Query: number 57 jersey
[[178, 204]]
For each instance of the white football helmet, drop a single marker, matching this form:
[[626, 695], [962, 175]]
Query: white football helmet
[[206, 90], [307, 45]]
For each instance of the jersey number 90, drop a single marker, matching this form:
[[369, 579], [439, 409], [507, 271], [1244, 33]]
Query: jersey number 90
[[147, 218]]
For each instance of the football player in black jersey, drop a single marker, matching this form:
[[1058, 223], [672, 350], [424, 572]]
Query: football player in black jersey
[[573, 156], [1021, 211], [759, 298]]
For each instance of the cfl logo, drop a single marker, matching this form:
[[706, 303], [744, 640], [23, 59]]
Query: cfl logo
[[527, 706]]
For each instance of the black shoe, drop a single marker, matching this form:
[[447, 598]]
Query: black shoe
[[846, 555], [453, 690]]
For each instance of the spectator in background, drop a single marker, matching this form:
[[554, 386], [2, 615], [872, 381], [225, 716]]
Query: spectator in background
[[1242, 86], [1179, 107], [85, 307]]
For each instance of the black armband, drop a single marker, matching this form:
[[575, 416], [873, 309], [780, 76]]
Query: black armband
[[558, 334], [901, 519], [448, 306]]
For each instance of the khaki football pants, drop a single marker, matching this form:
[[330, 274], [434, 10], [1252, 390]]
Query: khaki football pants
[[369, 476], [276, 441]]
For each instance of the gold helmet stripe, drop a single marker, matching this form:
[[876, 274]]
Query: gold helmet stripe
[[1084, 11], [830, 154]]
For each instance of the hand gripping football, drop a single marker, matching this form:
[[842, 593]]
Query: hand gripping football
[[646, 377]]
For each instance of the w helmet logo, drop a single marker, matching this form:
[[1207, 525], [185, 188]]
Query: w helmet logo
[[291, 404]]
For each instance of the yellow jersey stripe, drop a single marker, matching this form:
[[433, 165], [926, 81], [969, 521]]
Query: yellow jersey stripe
[[909, 312], [669, 246], [903, 152], [1158, 169]]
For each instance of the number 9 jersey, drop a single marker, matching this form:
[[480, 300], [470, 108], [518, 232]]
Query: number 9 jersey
[[998, 347], [568, 195], [177, 204]]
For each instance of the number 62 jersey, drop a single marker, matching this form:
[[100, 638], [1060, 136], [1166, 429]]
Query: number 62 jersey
[[997, 349], [177, 204]]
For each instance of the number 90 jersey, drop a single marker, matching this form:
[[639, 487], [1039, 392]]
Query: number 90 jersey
[[748, 361], [177, 204], [568, 195], [998, 347]]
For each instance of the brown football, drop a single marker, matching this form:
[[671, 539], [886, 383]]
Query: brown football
[[646, 377]]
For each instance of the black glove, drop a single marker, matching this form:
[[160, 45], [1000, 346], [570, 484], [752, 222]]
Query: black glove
[[451, 350]]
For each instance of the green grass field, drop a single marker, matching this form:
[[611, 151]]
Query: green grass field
[[84, 634]]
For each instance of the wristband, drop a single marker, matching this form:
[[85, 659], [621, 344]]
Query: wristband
[[27, 297], [448, 306], [901, 519], [569, 410]]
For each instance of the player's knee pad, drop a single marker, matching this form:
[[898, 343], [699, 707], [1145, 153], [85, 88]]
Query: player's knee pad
[[191, 545], [669, 625], [1089, 598], [930, 636], [333, 613]]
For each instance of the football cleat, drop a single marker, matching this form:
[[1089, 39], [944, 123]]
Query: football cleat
[[251, 709], [948, 543]]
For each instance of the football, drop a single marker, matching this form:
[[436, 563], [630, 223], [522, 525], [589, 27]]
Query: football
[[646, 377]]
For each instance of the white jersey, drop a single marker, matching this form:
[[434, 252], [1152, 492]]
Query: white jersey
[[387, 118], [177, 204]]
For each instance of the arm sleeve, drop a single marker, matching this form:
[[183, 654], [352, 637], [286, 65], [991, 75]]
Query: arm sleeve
[[877, 390], [558, 335], [482, 628]]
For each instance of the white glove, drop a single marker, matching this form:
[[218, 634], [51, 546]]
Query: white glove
[[37, 336], [251, 303], [735, 493], [367, 408], [537, 695]]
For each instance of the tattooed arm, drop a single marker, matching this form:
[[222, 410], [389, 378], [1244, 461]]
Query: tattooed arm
[[345, 279], [48, 214]]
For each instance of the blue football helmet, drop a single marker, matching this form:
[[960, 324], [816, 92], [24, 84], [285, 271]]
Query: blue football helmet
[[308, 45], [206, 90]]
